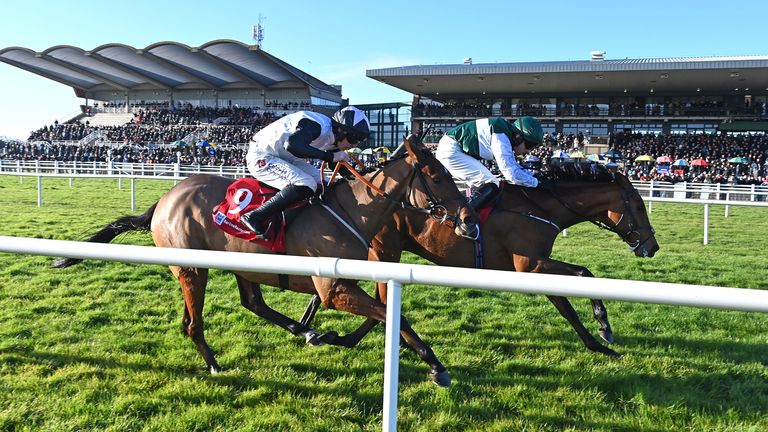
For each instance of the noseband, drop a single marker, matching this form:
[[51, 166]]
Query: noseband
[[435, 207], [632, 225]]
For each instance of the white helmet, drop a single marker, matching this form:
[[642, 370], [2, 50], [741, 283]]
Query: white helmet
[[354, 122]]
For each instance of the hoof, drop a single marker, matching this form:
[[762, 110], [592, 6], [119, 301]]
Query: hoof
[[441, 378], [214, 369], [313, 338], [329, 337], [606, 334], [610, 353]]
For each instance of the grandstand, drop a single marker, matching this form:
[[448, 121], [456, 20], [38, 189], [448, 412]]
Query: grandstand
[[596, 97], [121, 85], [708, 108]]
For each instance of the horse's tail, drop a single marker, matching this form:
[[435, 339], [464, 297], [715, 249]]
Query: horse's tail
[[122, 225]]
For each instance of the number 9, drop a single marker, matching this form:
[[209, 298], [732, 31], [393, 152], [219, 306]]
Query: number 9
[[242, 198]]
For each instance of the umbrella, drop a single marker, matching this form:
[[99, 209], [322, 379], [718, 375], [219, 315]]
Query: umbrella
[[613, 154], [644, 158], [679, 163], [738, 160], [594, 157], [663, 160], [355, 150], [699, 162], [577, 155], [203, 143], [532, 158], [180, 143], [367, 151], [561, 155]]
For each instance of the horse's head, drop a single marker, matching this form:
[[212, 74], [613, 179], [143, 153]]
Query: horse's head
[[628, 218], [434, 189], [608, 200]]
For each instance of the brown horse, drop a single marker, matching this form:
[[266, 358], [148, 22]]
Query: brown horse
[[521, 231], [182, 219]]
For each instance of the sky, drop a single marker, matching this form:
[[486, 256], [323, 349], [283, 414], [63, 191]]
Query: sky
[[337, 41]]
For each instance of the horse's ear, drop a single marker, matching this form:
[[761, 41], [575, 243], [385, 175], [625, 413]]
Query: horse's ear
[[398, 151], [409, 147]]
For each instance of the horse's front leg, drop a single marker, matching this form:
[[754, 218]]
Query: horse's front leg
[[252, 299], [601, 316], [550, 266], [345, 295]]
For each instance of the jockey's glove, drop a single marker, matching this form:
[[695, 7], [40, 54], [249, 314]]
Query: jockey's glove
[[340, 156]]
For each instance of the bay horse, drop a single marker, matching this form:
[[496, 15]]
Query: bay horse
[[520, 233], [182, 218]]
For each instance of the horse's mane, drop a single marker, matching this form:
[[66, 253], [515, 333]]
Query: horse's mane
[[583, 172]]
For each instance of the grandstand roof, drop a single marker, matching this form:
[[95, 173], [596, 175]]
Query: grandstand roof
[[662, 75], [219, 64]]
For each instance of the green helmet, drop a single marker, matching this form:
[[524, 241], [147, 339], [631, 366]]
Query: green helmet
[[531, 130]]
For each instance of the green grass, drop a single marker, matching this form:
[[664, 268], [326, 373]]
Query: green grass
[[99, 346]]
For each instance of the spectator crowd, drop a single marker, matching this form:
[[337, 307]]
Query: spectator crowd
[[153, 136], [153, 125]]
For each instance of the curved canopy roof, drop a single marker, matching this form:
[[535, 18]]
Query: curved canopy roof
[[683, 75], [219, 64]]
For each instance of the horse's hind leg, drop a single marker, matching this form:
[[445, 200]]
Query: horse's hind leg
[[193, 282], [185, 320], [251, 299], [347, 296], [550, 266], [566, 310]]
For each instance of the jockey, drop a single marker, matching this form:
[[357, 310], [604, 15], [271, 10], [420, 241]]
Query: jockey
[[276, 157], [495, 138]]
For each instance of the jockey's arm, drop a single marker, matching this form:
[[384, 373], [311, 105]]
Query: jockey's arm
[[298, 144], [505, 160]]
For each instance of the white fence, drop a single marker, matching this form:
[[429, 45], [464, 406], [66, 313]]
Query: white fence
[[117, 168], [681, 193], [751, 300]]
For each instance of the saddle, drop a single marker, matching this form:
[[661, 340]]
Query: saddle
[[485, 210], [242, 196]]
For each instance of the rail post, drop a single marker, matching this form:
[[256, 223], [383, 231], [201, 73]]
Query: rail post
[[39, 191], [391, 357], [706, 224], [650, 194], [133, 194]]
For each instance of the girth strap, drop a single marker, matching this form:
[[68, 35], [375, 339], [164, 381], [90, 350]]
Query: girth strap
[[354, 231]]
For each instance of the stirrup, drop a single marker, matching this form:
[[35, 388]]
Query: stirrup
[[256, 227], [263, 234]]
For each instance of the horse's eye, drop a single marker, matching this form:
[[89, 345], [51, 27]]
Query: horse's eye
[[436, 179]]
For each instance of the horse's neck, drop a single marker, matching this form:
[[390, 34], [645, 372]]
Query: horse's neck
[[578, 202], [363, 207], [432, 240]]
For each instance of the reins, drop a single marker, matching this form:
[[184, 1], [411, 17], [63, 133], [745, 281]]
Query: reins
[[633, 225], [435, 209]]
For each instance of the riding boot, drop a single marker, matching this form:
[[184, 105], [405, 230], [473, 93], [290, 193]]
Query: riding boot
[[260, 220], [482, 195]]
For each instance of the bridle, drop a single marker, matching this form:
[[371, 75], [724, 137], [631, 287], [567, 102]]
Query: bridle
[[435, 207], [633, 227]]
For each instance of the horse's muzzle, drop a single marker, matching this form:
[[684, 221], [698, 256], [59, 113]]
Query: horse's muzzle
[[645, 249], [469, 231]]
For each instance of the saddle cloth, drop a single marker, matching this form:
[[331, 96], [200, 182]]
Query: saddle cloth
[[242, 196]]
